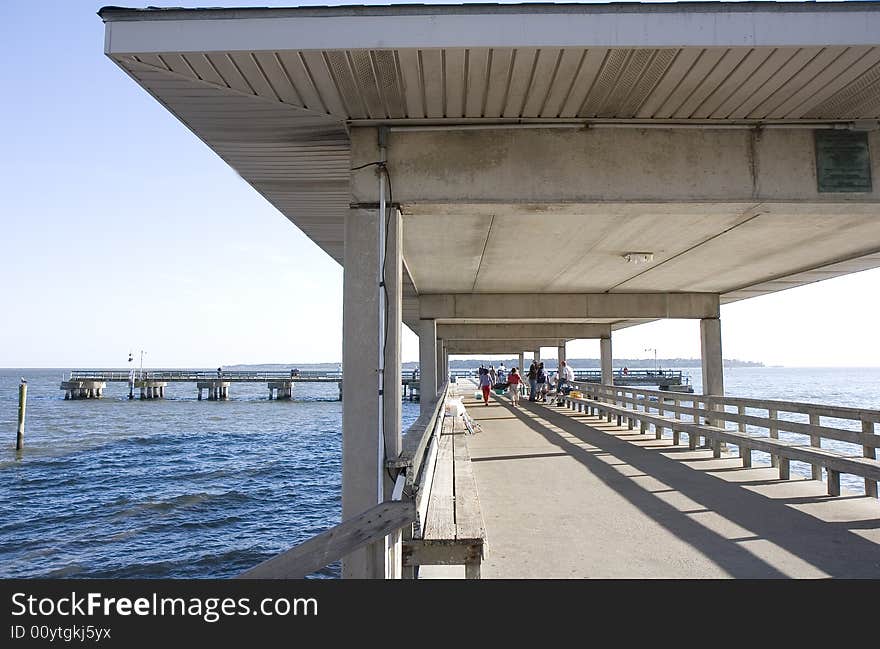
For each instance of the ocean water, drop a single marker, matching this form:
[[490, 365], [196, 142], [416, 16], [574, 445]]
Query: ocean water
[[115, 488], [184, 488]]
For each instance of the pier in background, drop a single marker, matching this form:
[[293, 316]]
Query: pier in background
[[151, 384]]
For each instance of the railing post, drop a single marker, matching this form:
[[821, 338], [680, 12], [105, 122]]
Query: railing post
[[869, 452], [816, 441], [676, 434], [744, 451], [774, 433]]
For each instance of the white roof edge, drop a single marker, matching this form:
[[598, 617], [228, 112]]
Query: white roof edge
[[623, 25]]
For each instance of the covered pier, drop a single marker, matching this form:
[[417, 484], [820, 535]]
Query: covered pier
[[673, 157]]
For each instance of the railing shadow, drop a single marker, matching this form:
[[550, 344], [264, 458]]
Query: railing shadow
[[828, 546]]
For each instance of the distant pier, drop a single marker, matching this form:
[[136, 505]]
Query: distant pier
[[151, 384]]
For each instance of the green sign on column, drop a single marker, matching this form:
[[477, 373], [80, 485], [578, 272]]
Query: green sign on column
[[843, 163]]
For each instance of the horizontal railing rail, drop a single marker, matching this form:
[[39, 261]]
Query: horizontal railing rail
[[854, 426], [339, 541], [418, 436]]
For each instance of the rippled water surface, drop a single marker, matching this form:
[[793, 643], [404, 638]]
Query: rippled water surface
[[186, 488], [173, 488]]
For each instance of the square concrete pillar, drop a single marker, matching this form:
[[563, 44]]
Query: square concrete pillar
[[710, 348], [560, 357], [710, 351], [441, 372], [522, 360], [364, 479], [605, 356], [427, 363], [537, 355]]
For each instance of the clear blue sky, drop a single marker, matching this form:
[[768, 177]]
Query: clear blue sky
[[122, 231]]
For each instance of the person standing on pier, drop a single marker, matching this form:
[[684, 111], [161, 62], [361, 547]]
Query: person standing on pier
[[485, 384], [514, 380], [541, 379], [533, 381], [492, 375]]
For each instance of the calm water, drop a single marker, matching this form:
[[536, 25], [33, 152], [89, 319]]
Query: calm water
[[181, 488]]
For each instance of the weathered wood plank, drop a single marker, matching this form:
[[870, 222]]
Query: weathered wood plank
[[336, 543], [440, 520], [468, 518]]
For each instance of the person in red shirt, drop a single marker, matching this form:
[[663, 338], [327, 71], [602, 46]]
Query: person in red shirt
[[514, 380]]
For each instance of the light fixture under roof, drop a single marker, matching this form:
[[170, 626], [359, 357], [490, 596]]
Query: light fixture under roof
[[638, 257]]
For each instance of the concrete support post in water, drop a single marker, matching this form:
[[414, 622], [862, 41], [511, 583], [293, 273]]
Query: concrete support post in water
[[362, 451], [713, 367], [22, 409], [605, 361], [427, 363]]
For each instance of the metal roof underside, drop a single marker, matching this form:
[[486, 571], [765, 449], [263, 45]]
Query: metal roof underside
[[280, 116]]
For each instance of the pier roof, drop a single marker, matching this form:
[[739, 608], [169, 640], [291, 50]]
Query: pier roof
[[279, 93]]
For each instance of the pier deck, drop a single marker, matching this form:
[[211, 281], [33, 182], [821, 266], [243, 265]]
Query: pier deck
[[568, 495]]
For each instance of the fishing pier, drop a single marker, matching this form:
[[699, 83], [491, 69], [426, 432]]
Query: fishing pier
[[90, 384], [668, 159]]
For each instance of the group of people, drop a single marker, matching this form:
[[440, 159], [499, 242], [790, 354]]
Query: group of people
[[540, 384], [500, 379]]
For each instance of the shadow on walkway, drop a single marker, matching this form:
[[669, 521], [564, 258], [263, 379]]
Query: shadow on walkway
[[828, 545]]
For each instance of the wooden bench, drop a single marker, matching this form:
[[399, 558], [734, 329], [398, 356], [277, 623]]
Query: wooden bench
[[782, 451], [449, 528]]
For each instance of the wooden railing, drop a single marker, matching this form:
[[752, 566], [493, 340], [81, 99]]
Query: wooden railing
[[374, 524], [708, 415]]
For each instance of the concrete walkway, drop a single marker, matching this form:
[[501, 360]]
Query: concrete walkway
[[567, 495]]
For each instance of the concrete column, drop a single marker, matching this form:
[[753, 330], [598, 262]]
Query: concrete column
[[522, 360], [710, 347], [393, 376], [713, 367], [427, 363], [605, 355], [560, 356], [199, 390], [363, 468], [537, 355], [441, 364]]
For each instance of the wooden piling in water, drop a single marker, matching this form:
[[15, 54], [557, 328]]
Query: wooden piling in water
[[22, 408]]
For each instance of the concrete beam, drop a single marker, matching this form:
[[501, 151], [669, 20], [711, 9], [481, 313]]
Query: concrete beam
[[525, 330], [571, 306], [498, 346], [535, 166]]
